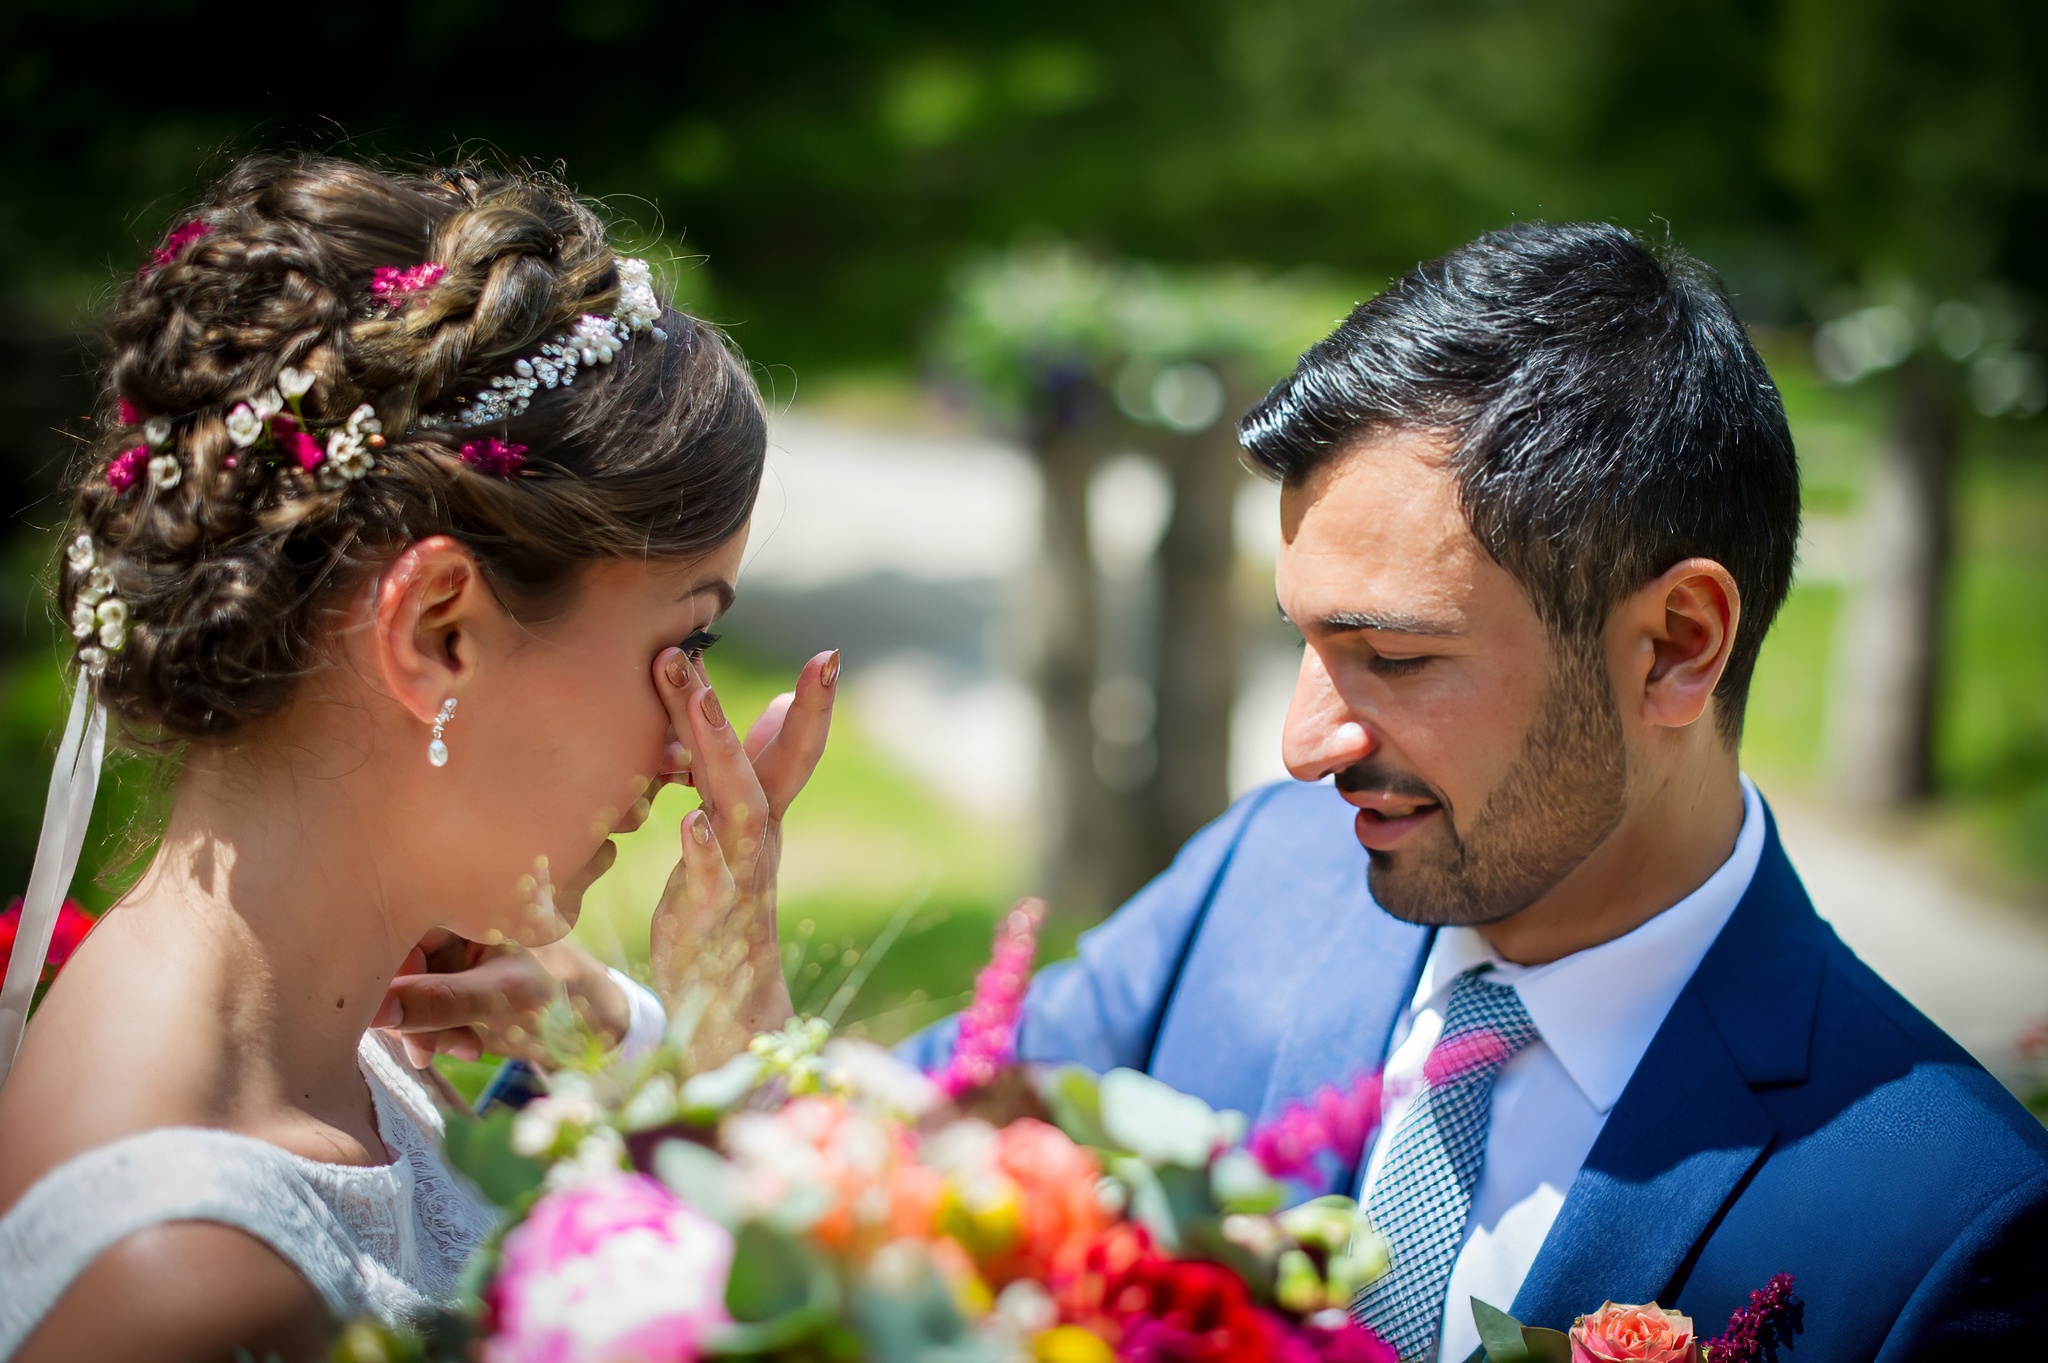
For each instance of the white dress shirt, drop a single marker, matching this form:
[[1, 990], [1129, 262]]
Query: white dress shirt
[[1595, 1013]]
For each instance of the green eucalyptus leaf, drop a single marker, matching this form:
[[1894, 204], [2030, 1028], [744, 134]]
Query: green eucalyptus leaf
[[481, 1150], [1547, 1346], [1075, 1097], [1500, 1334]]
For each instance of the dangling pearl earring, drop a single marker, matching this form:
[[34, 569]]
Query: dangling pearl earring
[[437, 751]]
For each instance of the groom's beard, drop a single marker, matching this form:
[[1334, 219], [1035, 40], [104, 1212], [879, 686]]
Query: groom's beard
[[1561, 799]]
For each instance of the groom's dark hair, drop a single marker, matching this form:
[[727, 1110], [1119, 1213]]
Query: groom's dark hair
[[1607, 414]]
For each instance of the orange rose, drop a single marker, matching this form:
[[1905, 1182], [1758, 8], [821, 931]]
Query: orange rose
[[1634, 1334]]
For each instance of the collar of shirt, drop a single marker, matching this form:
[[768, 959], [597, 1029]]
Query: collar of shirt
[[1597, 1010]]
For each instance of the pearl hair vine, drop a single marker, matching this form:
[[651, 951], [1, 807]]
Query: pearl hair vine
[[592, 340]]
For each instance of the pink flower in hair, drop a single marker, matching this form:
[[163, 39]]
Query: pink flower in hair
[[181, 237], [126, 412], [988, 1029], [394, 285], [303, 448], [126, 467], [494, 456]]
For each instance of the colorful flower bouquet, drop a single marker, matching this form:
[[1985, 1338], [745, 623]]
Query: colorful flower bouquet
[[816, 1198]]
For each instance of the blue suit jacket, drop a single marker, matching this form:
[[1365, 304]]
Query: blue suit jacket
[[1793, 1113]]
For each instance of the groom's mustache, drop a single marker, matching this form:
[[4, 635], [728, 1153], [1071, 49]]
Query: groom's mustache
[[1375, 778]]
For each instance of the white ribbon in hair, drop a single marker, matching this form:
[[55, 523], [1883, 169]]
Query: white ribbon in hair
[[73, 782]]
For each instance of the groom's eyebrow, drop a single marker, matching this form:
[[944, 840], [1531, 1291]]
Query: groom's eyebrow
[[1388, 622]]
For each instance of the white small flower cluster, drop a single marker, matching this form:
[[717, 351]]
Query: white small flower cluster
[[246, 421], [99, 617], [593, 340], [348, 449]]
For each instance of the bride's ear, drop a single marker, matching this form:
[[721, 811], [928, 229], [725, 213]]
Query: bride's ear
[[427, 610]]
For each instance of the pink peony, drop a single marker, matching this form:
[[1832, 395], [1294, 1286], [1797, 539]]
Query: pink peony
[[613, 1269], [1633, 1334]]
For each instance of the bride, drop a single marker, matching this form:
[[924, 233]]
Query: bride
[[412, 513]]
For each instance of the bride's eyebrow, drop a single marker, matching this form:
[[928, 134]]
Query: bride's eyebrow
[[718, 587]]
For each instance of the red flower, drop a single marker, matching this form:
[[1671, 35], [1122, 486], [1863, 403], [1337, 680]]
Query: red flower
[[284, 429], [178, 240], [126, 467], [73, 923]]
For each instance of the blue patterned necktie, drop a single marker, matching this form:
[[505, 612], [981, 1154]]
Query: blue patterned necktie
[[1425, 1187]]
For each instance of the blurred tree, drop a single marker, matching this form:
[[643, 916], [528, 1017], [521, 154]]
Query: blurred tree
[[1915, 137], [1086, 360]]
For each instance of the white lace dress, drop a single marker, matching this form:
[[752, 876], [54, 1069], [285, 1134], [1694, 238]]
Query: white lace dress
[[389, 1240]]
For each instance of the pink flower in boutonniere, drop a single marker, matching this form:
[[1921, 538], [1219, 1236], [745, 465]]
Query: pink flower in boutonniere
[[1634, 1334]]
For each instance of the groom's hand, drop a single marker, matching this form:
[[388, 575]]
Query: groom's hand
[[461, 998], [714, 949]]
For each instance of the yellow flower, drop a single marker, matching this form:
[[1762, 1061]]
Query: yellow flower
[[1071, 1344]]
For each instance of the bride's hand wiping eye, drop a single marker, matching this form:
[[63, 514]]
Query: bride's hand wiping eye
[[715, 954]]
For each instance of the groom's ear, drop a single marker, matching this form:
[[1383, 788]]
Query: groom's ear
[[1676, 633], [428, 610]]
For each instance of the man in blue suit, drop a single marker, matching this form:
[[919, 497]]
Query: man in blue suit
[[1539, 505]]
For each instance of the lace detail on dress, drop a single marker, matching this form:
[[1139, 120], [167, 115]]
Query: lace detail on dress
[[388, 1240]]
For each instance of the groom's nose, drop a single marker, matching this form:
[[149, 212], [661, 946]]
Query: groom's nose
[[1322, 735]]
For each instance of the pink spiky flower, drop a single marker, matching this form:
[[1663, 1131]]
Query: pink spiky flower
[[1752, 1329], [395, 285], [988, 1029], [494, 456], [1332, 1121]]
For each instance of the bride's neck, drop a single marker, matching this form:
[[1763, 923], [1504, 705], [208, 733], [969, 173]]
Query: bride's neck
[[270, 857]]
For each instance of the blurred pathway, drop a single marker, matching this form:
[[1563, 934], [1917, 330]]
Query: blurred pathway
[[1979, 968]]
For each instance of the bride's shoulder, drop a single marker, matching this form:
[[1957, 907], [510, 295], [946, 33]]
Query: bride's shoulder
[[104, 1059], [192, 1289]]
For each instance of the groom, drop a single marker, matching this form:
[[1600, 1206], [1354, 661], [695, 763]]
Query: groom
[[1539, 505]]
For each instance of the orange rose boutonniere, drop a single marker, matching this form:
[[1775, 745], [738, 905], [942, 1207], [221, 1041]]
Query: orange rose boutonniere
[[1634, 1334]]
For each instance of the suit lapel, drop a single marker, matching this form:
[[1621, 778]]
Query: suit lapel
[[1688, 1128], [1683, 1136], [1347, 1002]]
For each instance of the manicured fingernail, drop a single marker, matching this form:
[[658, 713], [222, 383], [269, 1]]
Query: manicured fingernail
[[389, 1013], [700, 828], [713, 711], [678, 671], [830, 673]]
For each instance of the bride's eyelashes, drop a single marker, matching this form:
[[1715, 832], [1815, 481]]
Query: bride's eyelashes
[[697, 643]]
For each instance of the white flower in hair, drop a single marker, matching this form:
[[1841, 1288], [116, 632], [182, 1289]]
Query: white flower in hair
[[113, 618], [157, 430], [294, 383], [348, 459], [244, 426], [99, 585], [267, 404], [93, 659], [363, 421], [83, 621], [80, 553], [165, 472]]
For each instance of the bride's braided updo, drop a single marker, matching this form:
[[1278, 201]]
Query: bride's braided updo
[[204, 563]]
